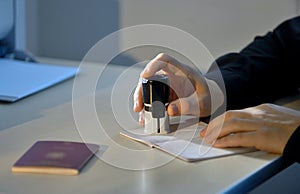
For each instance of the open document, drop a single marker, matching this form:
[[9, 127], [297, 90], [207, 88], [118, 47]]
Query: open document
[[184, 143], [19, 79]]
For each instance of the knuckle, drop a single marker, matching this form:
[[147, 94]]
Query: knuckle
[[229, 115], [265, 105]]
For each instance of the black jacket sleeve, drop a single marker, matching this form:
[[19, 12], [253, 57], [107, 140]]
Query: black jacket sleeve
[[292, 149], [265, 70]]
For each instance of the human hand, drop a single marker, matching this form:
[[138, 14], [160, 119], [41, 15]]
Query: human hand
[[189, 90], [266, 127]]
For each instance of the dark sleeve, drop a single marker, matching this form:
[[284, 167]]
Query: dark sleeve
[[292, 148], [265, 70]]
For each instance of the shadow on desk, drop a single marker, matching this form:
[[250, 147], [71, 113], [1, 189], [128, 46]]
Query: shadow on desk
[[94, 159]]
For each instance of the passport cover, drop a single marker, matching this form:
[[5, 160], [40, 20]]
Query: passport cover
[[55, 157]]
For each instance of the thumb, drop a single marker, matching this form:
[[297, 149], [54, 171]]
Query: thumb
[[184, 106]]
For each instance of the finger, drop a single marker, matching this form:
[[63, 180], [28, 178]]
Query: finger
[[246, 139], [184, 106], [230, 122], [238, 126], [161, 62], [203, 132], [142, 118], [213, 128], [138, 98], [152, 68]]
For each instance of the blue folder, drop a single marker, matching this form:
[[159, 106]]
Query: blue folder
[[19, 79]]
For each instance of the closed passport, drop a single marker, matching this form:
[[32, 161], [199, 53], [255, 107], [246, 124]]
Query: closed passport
[[55, 157]]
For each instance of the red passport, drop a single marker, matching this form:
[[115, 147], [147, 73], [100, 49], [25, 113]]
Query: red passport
[[55, 157]]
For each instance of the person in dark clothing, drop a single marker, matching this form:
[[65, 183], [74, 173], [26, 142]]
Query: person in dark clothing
[[265, 70]]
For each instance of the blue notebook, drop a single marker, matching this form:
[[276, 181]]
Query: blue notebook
[[19, 79]]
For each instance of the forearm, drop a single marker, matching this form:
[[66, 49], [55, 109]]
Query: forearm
[[255, 75]]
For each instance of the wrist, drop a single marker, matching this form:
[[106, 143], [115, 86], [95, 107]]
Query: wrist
[[215, 94]]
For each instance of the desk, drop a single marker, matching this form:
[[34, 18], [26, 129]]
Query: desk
[[48, 115]]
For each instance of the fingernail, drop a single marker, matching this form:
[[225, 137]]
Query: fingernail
[[202, 133], [142, 123]]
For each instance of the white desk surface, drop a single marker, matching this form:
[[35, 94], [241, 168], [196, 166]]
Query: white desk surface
[[49, 115]]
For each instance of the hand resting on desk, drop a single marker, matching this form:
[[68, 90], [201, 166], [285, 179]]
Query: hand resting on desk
[[266, 127]]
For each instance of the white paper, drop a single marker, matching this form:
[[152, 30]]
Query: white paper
[[184, 143]]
